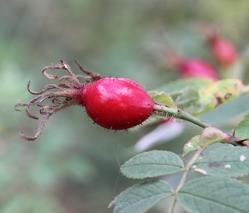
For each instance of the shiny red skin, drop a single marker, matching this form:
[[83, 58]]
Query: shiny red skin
[[223, 51], [196, 68], [116, 103]]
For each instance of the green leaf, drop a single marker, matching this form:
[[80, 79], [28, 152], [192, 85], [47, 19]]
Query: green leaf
[[242, 130], [152, 164], [225, 112], [185, 93], [140, 197], [220, 92], [197, 96], [183, 84], [224, 160], [162, 98], [213, 194]]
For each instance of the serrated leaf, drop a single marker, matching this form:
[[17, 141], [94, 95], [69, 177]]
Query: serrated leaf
[[242, 130], [214, 194], [162, 98], [183, 84], [152, 164], [224, 160], [140, 197]]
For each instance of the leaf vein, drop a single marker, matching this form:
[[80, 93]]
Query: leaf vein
[[212, 200]]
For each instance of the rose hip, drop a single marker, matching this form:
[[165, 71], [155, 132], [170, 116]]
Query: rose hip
[[196, 68], [223, 50], [116, 103], [113, 103], [189, 67]]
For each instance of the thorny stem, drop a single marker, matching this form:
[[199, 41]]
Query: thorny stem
[[184, 178], [178, 113]]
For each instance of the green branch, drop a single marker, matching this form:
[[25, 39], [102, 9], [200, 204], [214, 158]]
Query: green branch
[[178, 113], [184, 178]]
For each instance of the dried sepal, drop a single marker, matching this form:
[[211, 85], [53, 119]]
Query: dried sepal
[[92, 75], [56, 96]]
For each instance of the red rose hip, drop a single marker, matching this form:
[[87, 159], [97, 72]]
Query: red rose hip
[[113, 103], [189, 67], [196, 68], [223, 50], [116, 103]]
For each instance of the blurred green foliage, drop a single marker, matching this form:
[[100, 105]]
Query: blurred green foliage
[[73, 167]]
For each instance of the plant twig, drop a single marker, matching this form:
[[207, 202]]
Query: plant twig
[[184, 178], [178, 113]]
